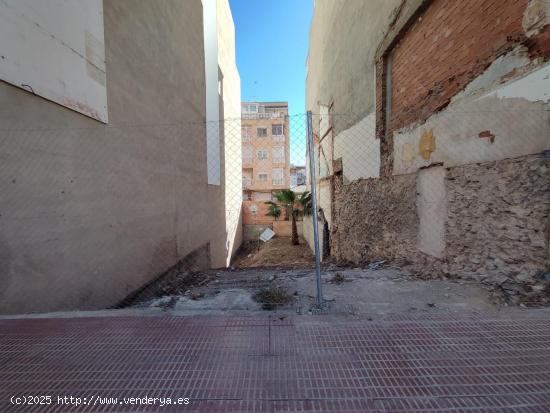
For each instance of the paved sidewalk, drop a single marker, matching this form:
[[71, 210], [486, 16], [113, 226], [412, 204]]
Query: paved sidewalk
[[272, 364]]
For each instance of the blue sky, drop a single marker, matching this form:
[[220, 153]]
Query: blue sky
[[272, 42]]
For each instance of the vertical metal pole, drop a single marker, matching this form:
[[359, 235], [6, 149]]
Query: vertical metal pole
[[311, 148]]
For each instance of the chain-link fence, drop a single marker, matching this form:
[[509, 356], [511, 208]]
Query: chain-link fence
[[461, 194]]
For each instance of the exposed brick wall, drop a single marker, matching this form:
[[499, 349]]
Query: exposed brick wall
[[447, 47], [260, 217]]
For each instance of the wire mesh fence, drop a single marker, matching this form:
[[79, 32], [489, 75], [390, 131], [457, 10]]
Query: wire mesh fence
[[463, 192]]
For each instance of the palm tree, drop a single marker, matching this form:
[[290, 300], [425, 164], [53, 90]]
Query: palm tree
[[305, 202], [294, 206], [273, 210]]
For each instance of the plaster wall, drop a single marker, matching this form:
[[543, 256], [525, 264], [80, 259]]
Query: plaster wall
[[307, 233], [59, 56], [431, 205], [509, 120], [359, 149], [91, 212], [342, 74], [231, 111]]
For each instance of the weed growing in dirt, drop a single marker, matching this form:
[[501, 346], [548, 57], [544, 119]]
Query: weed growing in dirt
[[271, 298], [338, 278]]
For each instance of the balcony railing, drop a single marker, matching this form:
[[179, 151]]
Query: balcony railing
[[265, 115]]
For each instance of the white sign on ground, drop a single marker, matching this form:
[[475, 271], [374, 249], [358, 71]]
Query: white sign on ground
[[267, 235]]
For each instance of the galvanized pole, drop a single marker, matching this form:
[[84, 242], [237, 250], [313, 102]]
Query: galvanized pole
[[311, 148]]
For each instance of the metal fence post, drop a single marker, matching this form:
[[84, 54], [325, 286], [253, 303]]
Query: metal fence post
[[311, 148]]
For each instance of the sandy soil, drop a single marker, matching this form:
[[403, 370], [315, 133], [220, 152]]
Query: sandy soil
[[277, 268], [277, 252]]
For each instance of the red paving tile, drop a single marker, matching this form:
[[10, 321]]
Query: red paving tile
[[270, 364]]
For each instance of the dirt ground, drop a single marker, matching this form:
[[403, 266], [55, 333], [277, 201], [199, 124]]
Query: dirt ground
[[279, 277], [277, 252], [346, 291]]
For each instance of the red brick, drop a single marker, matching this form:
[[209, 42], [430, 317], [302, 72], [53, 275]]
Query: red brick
[[452, 40]]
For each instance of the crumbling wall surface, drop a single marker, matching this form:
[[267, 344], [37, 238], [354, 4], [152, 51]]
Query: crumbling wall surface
[[497, 224], [375, 219], [453, 43], [496, 228]]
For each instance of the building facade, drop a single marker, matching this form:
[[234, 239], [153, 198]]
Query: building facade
[[265, 159], [297, 176], [432, 135], [105, 169]]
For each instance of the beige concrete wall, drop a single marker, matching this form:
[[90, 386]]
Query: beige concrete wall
[[62, 56], [343, 41], [90, 212], [307, 233], [431, 207], [231, 110], [282, 228]]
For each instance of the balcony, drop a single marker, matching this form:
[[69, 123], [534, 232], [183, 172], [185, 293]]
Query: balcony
[[265, 115], [248, 162]]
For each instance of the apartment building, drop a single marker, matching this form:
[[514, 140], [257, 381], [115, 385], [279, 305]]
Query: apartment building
[[297, 176], [266, 158]]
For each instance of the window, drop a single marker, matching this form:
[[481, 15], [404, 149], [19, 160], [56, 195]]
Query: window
[[246, 133], [278, 154], [253, 209], [277, 130], [247, 182], [301, 176], [262, 177], [262, 154], [247, 153], [278, 176], [261, 132], [262, 196], [250, 108]]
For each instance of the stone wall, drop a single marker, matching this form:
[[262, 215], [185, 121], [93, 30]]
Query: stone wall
[[496, 231], [375, 219], [497, 227]]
